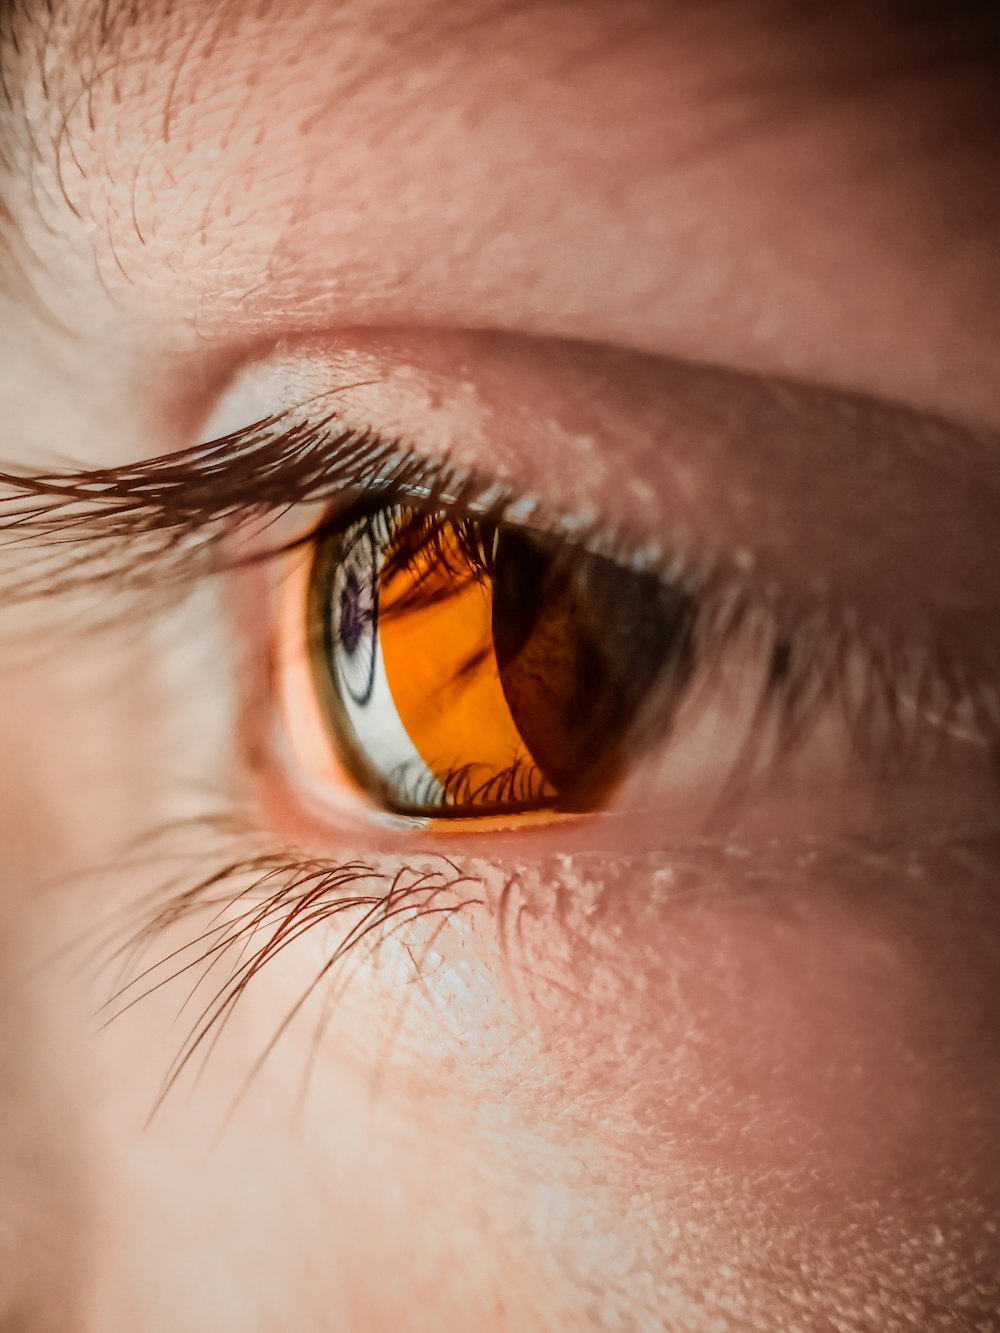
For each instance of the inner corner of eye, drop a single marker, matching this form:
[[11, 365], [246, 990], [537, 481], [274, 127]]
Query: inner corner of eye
[[450, 667]]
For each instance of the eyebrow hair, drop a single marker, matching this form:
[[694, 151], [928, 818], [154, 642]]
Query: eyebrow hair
[[71, 50], [945, 33], [973, 25], [72, 46]]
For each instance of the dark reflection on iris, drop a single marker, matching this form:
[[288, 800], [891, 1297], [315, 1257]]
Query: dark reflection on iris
[[351, 619], [583, 646], [351, 613]]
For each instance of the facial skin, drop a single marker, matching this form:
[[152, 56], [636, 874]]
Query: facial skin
[[669, 1069]]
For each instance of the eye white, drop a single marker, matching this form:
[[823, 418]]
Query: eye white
[[358, 667]]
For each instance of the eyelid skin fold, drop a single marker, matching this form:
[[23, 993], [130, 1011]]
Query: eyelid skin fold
[[710, 466]]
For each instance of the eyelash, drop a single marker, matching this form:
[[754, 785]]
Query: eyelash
[[281, 899], [162, 524], [163, 511]]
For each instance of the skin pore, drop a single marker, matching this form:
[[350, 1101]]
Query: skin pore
[[723, 277]]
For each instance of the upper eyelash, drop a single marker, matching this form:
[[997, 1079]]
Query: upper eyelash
[[79, 526], [161, 511]]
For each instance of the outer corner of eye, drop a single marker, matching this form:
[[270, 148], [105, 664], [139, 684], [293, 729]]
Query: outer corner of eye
[[450, 670]]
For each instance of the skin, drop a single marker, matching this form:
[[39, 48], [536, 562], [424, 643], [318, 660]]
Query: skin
[[669, 1070]]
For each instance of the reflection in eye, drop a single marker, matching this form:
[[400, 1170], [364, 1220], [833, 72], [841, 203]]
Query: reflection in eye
[[465, 668]]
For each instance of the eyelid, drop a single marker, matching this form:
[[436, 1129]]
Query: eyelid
[[152, 526], [147, 524], [775, 472], [225, 497]]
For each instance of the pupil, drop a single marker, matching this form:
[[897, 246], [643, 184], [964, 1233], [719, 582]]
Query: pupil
[[351, 615]]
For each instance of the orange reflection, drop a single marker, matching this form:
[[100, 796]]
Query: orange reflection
[[439, 660]]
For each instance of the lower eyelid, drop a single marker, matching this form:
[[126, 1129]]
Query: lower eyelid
[[585, 898], [561, 932]]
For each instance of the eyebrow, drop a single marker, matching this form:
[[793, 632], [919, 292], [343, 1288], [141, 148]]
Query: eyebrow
[[173, 158], [44, 30], [70, 53], [963, 32], [969, 29]]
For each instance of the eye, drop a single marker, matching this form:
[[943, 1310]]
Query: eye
[[459, 667]]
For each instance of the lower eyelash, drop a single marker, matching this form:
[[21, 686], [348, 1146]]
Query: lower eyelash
[[278, 897], [521, 783], [282, 897]]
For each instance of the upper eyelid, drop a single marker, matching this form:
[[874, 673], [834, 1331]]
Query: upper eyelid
[[778, 472], [739, 435], [271, 464], [755, 448], [278, 463]]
